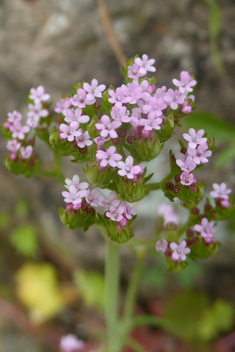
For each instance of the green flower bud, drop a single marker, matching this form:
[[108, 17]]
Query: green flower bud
[[26, 167], [131, 191], [78, 218], [201, 250], [62, 146], [167, 128], [116, 232], [148, 148], [101, 178]]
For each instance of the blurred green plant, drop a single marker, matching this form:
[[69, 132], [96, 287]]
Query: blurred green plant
[[90, 285], [24, 238], [214, 31]]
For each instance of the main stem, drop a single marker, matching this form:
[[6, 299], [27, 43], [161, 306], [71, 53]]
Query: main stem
[[112, 274]]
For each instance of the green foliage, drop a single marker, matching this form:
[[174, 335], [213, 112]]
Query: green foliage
[[91, 287], [215, 319], [5, 220], [25, 240]]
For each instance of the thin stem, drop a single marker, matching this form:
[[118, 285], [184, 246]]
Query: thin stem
[[57, 167], [131, 297], [112, 273], [45, 173], [135, 345], [111, 34], [160, 185]]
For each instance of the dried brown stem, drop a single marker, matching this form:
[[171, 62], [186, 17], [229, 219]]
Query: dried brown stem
[[111, 34]]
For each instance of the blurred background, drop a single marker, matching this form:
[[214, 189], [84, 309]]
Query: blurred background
[[51, 278]]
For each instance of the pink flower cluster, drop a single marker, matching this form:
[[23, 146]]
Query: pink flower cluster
[[19, 131], [197, 152], [177, 252], [79, 196]]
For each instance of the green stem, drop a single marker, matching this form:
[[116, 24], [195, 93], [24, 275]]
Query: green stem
[[147, 320], [112, 271], [57, 167], [135, 345], [131, 297], [44, 173]]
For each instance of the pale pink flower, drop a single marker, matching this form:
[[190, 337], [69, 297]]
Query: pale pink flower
[[13, 145], [100, 142], [84, 140], [194, 138], [187, 165], [200, 154], [38, 94], [115, 214], [36, 111], [174, 98], [32, 122], [18, 130], [74, 195], [107, 127], [206, 228], [161, 245], [79, 99], [76, 115], [63, 105], [168, 213], [93, 90], [127, 169], [26, 152], [14, 116], [108, 158], [119, 95], [71, 343], [152, 122], [93, 197], [145, 64], [134, 71], [179, 250], [187, 179], [70, 132], [220, 191], [120, 113], [186, 82], [76, 182]]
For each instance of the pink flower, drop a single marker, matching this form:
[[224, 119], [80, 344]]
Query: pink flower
[[76, 182], [186, 178], [71, 343], [93, 90], [220, 191], [84, 140], [152, 122], [14, 116], [133, 71], [79, 99], [74, 195], [18, 130], [115, 214], [200, 154], [155, 106], [179, 250], [206, 228], [100, 142], [76, 115], [108, 158], [194, 138], [107, 127], [145, 65], [120, 95], [127, 169], [187, 165], [70, 132], [38, 94], [26, 152], [63, 105], [13, 145], [93, 197], [161, 245], [168, 213], [186, 82], [174, 98], [120, 113], [36, 111]]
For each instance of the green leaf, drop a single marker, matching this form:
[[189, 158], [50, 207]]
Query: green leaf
[[5, 220], [216, 319], [25, 240], [225, 156], [214, 125], [91, 287]]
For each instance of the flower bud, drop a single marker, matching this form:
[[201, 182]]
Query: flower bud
[[99, 177], [167, 128], [22, 167], [131, 191], [78, 218], [147, 148], [62, 146], [115, 231]]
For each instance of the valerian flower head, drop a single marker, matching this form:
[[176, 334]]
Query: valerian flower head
[[70, 343]]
